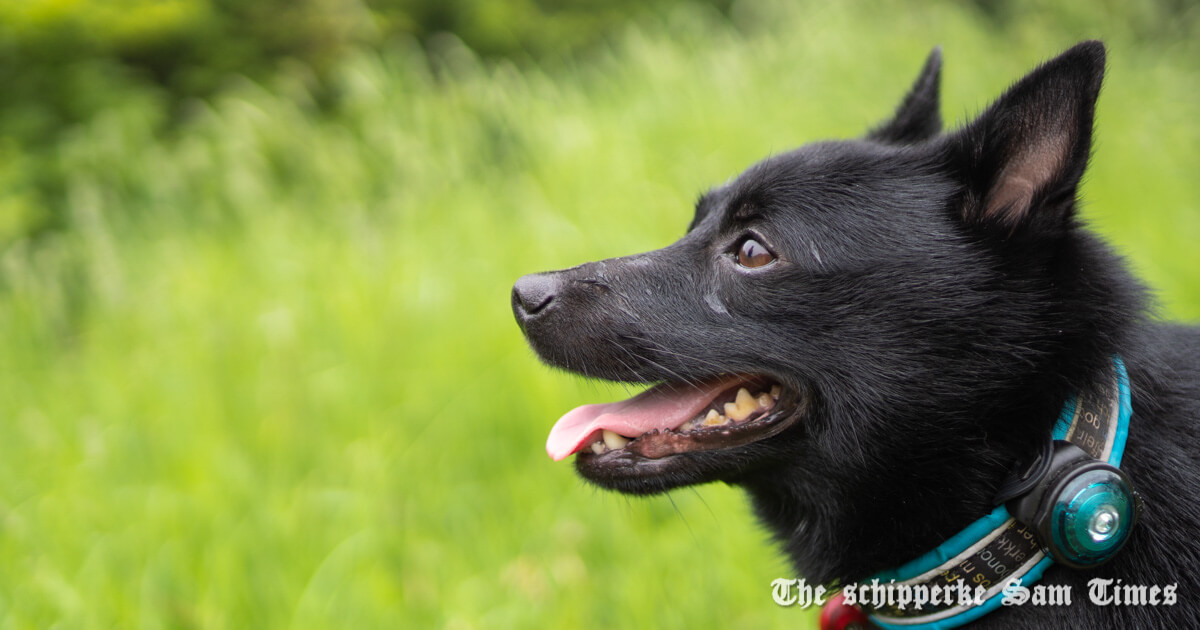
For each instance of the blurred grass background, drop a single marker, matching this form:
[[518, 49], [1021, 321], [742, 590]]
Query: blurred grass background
[[257, 363]]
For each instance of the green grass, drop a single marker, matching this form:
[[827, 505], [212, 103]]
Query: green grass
[[269, 378]]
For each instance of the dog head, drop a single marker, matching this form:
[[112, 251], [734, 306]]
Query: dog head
[[849, 309]]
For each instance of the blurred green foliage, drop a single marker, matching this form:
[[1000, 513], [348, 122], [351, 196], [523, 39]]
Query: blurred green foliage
[[262, 371], [62, 62], [65, 60]]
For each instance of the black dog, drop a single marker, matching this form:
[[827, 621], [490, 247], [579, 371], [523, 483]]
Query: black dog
[[907, 314]]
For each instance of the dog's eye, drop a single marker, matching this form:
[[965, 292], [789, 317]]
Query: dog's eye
[[752, 254]]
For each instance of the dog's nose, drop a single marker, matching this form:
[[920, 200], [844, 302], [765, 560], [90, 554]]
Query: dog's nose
[[532, 294]]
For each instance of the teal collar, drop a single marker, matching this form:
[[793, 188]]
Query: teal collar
[[997, 549]]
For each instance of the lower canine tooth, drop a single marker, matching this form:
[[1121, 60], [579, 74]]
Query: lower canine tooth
[[614, 440]]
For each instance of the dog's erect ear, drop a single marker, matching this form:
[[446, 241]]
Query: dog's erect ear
[[917, 118], [1022, 158]]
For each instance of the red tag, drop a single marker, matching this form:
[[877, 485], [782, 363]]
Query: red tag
[[838, 615]]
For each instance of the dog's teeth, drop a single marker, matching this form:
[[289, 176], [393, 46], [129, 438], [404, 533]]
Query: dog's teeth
[[765, 401], [614, 440], [776, 391], [598, 447], [713, 419], [742, 406]]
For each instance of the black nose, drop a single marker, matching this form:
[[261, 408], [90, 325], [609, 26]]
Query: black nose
[[532, 294]]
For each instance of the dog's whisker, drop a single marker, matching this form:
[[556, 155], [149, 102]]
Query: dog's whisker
[[703, 502], [639, 357], [631, 369], [690, 382], [658, 347], [686, 523]]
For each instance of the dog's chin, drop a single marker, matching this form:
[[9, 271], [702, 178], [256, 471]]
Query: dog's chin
[[663, 460]]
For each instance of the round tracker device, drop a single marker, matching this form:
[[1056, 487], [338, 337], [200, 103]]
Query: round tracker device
[[1083, 509]]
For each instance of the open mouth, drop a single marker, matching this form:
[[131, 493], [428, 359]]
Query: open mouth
[[674, 418]]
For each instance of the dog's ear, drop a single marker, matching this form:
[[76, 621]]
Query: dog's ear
[[1021, 160], [917, 118]]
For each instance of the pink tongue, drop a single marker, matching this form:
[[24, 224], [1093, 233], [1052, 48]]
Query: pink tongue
[[660, 407]]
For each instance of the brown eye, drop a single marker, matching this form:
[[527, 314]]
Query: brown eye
[[752, 254]]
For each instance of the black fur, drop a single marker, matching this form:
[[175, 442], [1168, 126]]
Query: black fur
[[935, 300]]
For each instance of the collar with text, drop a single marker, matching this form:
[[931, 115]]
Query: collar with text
[[997, 549]]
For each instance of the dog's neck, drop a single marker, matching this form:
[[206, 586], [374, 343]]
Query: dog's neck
[[845, 516]]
